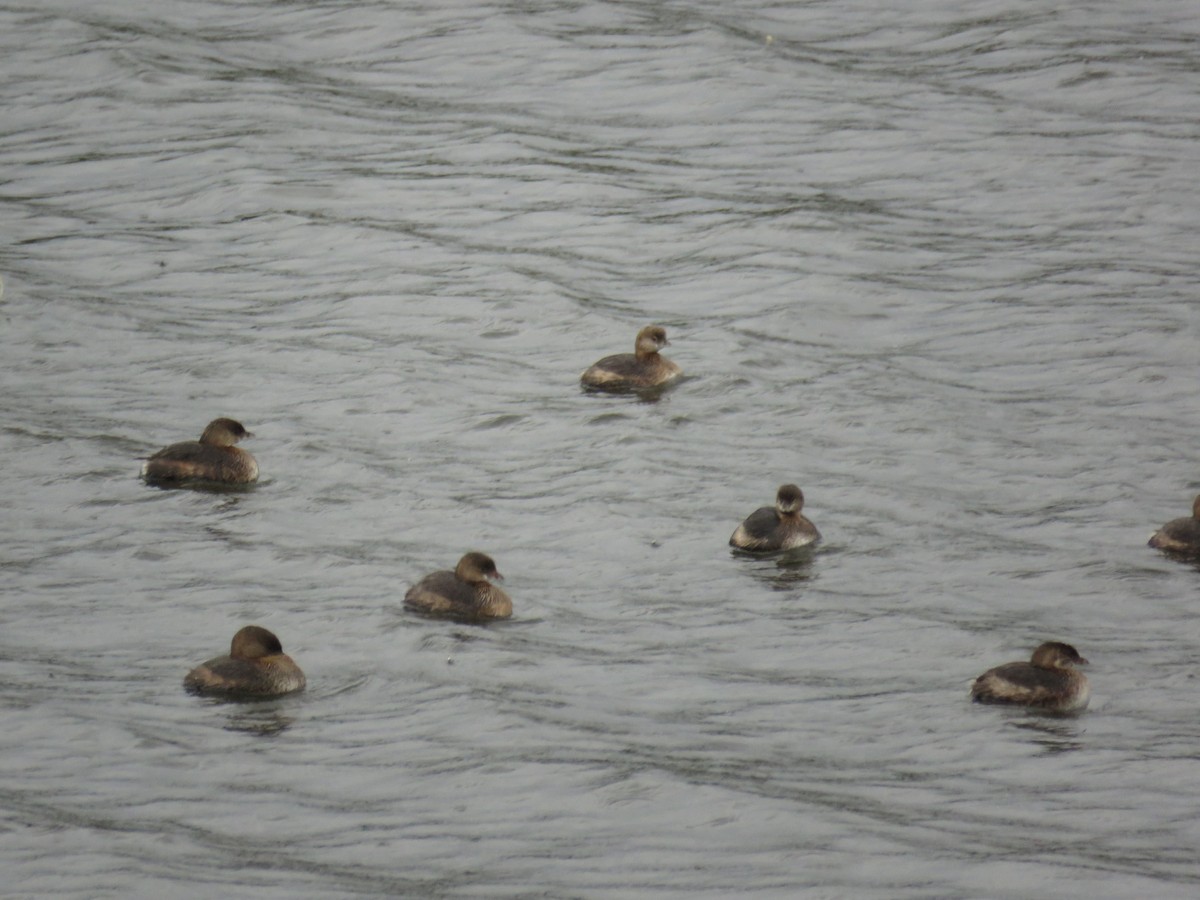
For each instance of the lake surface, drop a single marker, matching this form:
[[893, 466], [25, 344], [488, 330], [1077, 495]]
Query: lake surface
[[935, 263]]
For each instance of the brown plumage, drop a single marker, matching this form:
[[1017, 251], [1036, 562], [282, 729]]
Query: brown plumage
[[255, 667], [778, 527], [212, 458], [1046, 682], [1180, 536], [642, 369], [464, 593]]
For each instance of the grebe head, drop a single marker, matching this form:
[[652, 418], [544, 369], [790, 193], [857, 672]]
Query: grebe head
[[254, 642], [650, 340], [224, 433], [1055, 655], [475, 567], [789, 499]]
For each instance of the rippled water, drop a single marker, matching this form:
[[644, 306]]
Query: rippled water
[[935, 263]]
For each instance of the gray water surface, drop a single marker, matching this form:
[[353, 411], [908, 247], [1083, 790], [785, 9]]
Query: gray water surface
[[934, 263]]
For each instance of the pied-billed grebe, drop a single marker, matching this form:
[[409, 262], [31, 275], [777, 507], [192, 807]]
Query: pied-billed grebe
[[212, 458], [1180, 535], [255, 667], [463, 593], [636, 371], [1046, 682], [778, 527]]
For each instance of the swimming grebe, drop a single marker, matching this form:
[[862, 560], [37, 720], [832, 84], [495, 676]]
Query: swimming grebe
[[642, 369], [780, 527], [1180, 535], [1046, 682], [463, 593], [212, 458], [255, 667]]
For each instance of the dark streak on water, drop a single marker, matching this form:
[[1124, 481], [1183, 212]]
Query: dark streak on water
[[935, 263]]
